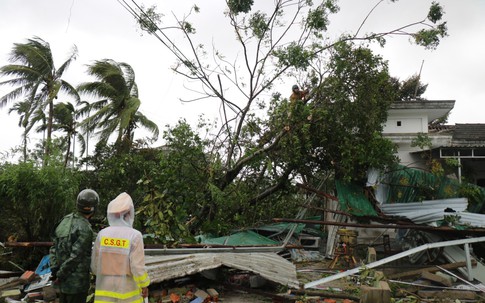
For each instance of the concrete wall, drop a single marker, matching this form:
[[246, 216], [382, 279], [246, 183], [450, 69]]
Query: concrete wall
[[406, 124]]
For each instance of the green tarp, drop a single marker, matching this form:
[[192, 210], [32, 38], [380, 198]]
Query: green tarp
[[240, 238], [352, 199]]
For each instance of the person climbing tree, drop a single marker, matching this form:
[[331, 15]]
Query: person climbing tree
[[297, 94]]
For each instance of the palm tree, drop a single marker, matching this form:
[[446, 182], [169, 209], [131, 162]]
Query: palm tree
[[84, 110], [35, 78], [65, 120], [117, 110], [24, 110]]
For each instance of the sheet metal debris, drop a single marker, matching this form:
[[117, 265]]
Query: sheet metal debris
[[270, 266], [432, 211], [398, 256]]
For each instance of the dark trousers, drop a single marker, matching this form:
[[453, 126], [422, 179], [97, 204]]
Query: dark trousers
[[73, 298]]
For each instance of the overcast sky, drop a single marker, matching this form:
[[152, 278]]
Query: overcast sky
[[104, 29]]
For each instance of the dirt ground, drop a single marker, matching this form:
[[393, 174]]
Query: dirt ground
[[241, 297]]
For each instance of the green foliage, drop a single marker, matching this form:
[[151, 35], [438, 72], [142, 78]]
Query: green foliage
[[259, 24], [475, 195], [165, 220], [430, 38], [239, 6], [56, 149], [318, 18], [410, 89], [186, 183], [35, 79], [343, 139], [264, 146], [116, 110], [188, 27], [185, 171], [149, 19], [293, 55], [184, 167], [451, 220], [452, 162], [244, 173], [33, 200], [369, 276], [65, 120], [422, 141], [435, 12], [114, 172]]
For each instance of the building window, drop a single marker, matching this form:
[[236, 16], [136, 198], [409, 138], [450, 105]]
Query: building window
[[398, 123]]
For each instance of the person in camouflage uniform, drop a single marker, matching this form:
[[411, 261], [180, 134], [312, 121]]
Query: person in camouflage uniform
[[70, 256]]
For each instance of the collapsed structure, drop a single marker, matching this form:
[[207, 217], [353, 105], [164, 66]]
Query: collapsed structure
[[421, 215]]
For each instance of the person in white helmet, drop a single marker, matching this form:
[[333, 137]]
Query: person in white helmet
[[118, 259]]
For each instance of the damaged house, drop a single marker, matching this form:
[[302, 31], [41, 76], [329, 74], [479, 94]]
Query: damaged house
[[424, 215]]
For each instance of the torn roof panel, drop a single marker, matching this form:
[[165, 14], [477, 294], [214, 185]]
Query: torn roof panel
[[431, 212], [456, 204], [426, 212], [270, 266]]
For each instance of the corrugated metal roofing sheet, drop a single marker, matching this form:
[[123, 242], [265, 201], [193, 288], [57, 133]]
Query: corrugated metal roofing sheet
[[431, 212], [457, 204], [270, 266]]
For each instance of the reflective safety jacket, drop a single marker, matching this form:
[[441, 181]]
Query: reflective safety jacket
[[119, 264]]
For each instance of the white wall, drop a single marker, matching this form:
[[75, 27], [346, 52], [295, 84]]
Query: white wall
[[401, 125]]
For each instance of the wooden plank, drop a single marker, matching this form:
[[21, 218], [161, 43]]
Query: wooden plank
[[380, 294], [447, 294], [435, 278]]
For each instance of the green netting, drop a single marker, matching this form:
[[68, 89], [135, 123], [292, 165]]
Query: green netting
[[241, 238], [413, 185], [352, 199]]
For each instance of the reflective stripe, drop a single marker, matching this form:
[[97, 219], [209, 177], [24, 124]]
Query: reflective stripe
[[142, 281], [116, 295], [139, 300], [140, 278]]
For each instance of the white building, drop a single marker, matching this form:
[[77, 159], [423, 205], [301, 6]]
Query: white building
[[463, 142]]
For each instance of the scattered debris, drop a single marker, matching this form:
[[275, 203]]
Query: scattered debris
[[270, 266]]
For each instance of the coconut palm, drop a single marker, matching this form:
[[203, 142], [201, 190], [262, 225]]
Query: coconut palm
[[65, 120], [116, 111], [24, 110], [35, 79], [84, 108]]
